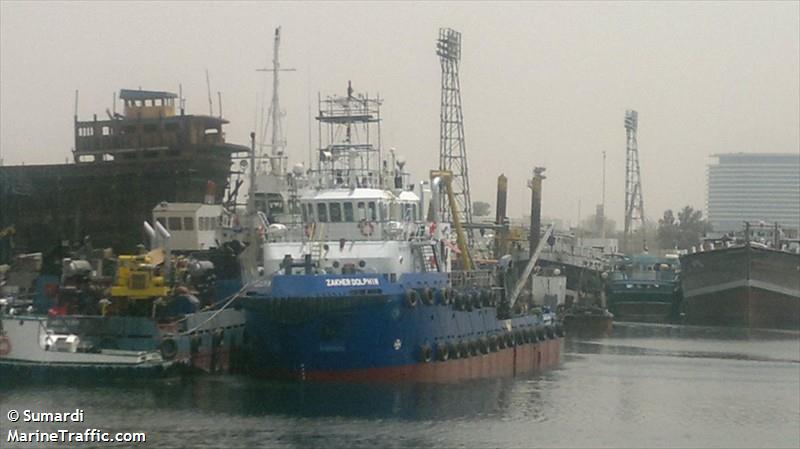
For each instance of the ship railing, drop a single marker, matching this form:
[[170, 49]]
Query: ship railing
[[472, 278]]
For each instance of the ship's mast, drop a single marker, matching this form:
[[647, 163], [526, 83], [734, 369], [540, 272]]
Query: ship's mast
[[277, 142], [347, 157]]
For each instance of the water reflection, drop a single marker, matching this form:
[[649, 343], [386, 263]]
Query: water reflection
[[634, 339], [251, 397], [645, 386]]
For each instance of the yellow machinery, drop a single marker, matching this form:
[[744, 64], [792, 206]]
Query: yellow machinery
[[461, 240], [136, 278]]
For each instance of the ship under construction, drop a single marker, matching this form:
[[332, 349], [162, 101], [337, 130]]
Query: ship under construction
[[123, 167]]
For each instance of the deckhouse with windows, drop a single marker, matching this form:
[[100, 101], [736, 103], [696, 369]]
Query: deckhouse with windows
[[357, 211]]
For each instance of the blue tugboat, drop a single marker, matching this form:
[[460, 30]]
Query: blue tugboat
[[370, 286]]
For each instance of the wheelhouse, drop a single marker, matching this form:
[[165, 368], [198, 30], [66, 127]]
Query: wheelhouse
[[359, 214]]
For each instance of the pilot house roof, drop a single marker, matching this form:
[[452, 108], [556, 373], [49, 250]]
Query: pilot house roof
[[130, 94]]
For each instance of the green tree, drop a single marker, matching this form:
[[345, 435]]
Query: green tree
[[481, 208], [683, 231]]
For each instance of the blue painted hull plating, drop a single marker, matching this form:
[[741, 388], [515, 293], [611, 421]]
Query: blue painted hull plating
[[364, 326]]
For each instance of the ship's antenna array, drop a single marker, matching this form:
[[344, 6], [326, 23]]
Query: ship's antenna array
[[278, 141], [452, 150], [634, 205], [208, 88]]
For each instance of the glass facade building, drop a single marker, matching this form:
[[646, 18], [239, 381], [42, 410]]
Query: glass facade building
[[754, 187]]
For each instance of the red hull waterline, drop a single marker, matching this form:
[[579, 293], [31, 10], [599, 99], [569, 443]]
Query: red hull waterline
[[508, 362]]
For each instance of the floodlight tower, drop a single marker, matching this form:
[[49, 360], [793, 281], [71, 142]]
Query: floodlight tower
[[634, 205], [452, 151]]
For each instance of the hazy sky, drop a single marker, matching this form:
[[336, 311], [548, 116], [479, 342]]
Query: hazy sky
[[542, 83]]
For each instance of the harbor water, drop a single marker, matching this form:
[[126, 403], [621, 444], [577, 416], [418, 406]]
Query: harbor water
[[645, 386]]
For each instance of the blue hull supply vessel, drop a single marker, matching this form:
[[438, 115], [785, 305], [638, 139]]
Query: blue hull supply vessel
[[365, 281]]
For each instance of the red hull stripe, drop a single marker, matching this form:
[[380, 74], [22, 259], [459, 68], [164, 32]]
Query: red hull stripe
[[518, 360]]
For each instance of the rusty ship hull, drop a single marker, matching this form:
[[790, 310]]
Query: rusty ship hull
[[123, 167], [745, 286], [49, 204]]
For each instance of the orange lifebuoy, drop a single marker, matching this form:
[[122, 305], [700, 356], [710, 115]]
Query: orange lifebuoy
[[5, 346], [309, 230], [262, 232]]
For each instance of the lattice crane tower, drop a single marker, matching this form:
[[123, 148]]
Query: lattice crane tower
[[634, 204], [452, 151]]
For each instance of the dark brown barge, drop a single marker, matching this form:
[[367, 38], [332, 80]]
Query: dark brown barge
[[123, 167]]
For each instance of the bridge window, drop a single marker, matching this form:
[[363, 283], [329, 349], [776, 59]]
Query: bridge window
[[310, 213], [362, 212], [188, 223], [373, 212], [348, 212], [322, 212], [384, 211], [174, 223], [336, 212]]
